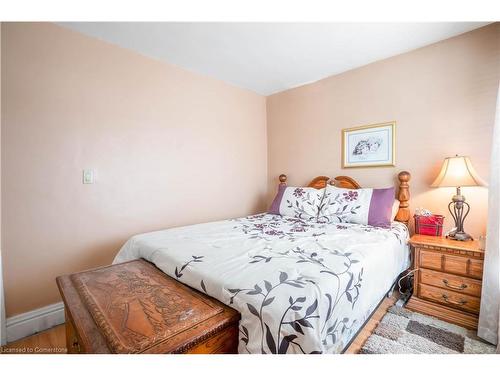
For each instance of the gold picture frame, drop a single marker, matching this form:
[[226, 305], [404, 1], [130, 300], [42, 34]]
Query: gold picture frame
[[369, 146]]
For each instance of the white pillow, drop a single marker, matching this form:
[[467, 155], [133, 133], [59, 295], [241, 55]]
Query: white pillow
[[298, 202], [361, 206]]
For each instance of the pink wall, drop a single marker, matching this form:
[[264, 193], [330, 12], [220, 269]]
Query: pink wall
[[170, 148], [442, 97]]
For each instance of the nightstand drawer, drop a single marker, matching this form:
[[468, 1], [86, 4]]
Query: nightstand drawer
[[476, 269], [451, 263], [451, 282], [430, 259], [449, 298]]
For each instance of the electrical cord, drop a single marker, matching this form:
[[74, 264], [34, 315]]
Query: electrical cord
[[411, 272], [405, 296]]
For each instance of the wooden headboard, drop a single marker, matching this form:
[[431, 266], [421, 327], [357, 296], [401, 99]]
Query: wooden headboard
[[403, 191]]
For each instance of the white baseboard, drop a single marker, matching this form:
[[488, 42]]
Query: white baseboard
[[34, 321]]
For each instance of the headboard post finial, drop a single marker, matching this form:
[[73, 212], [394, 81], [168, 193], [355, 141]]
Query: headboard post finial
[[282, 179], [403, 214]]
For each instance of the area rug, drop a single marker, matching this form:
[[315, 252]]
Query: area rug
[[402, 331]]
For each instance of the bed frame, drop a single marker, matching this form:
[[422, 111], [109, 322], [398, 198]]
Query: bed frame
[[403, 194]]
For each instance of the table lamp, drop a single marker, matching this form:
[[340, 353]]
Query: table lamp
[[457, 171]]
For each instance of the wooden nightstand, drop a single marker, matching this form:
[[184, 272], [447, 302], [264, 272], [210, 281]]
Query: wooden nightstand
[[447, 282]]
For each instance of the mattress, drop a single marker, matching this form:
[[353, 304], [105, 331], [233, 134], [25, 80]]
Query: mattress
[[301, 287]]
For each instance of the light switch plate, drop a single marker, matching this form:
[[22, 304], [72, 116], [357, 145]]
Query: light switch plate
[[88, 176]]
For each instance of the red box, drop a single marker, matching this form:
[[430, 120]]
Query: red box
[[429, 225]]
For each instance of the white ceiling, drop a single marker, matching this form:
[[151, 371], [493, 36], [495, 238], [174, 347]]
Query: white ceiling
[[270, 57]]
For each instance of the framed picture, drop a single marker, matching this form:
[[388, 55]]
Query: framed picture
[[369, 146]]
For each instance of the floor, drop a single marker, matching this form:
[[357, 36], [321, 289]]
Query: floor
[[51, 341], [54, 341], [372, 323]]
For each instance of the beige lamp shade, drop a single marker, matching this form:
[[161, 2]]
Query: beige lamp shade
[[457, 171]]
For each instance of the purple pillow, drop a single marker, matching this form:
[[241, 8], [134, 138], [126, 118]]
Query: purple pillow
[[275, 206], [380, 213]]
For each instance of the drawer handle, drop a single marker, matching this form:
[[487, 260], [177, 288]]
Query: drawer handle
[[461, 302], [447, 283]]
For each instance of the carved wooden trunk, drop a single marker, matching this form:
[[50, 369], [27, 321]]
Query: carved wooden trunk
[[133, 307]]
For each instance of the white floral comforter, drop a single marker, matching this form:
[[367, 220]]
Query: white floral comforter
[[300, 287]]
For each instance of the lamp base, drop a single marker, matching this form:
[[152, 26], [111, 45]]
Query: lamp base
[[459, 236], [456, 208]]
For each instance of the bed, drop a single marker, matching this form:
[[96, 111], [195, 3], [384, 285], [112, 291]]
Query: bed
[[301, 287]]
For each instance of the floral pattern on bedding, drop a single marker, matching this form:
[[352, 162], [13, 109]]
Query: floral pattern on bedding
[[344, 206], [301, 203], [266, 227], [330, 330], [300, 286], [360, 206]]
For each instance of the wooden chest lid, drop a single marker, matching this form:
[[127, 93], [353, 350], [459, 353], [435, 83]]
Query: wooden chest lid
[[137, 308]]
